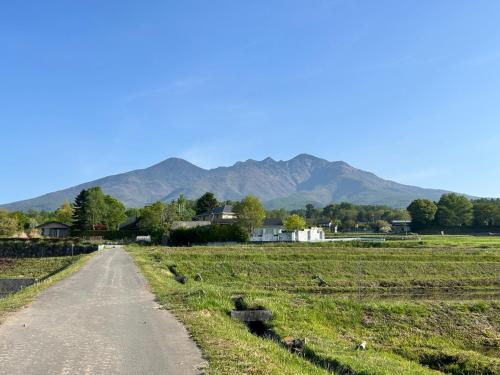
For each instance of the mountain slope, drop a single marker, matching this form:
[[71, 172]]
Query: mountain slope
[[289, 184]]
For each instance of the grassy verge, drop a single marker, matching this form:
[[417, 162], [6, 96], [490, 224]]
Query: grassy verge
[[36, 268], [405, 334], [25, 296]]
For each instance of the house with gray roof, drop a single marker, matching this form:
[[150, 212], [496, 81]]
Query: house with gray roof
[[219, 215], [54, 229]]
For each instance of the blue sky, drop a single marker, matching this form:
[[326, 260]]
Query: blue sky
[[407, 89]]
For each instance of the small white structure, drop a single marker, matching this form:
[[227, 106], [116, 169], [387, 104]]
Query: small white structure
[[272, 233], [269, 231], [313, 234], [143, 239]]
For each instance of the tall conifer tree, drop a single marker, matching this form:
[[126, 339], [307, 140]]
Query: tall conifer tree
[[80, 208]]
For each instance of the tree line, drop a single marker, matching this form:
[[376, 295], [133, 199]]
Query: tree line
[[454, 210], [346, 216], [94, 210]]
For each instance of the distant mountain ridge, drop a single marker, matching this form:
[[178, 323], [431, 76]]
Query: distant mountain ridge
[[289, 184]]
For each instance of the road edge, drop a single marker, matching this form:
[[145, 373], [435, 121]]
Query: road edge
[[26, 296]]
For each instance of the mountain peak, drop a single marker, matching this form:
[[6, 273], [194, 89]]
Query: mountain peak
[[288, 184], [175, 162]]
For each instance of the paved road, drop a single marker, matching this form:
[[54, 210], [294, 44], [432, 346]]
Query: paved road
[[101, 320]]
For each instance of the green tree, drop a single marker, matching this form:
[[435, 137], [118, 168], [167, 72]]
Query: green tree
[[382, 226], [277, 213], [8, 224], [133, 212], [454, 210], [486, 211], [22, 220], [114, 213], [422, 212], [96, 206], [206, 203], [184, 208], [250, 212], [64, 214], [80, 208], [154, 217], [295, 222], [311, 211], [348, 224]]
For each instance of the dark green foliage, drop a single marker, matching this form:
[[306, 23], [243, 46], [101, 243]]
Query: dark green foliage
[[206, 234], [206, 203], [486, 212], [349, 213], [80, 208], [454, 210], [95, 210], [423, 212]]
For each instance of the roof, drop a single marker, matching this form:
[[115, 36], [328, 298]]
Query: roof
[[272, 222], [227, 208], [54, 224], [401, 222], [130, 223]]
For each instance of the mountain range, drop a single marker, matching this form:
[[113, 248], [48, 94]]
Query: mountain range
[[288, 184]]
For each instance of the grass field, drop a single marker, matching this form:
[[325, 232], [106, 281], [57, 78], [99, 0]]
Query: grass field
[[33, 267], [48, 270], [424, 307]]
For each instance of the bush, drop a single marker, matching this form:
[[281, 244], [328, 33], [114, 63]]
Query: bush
[[206, 234]]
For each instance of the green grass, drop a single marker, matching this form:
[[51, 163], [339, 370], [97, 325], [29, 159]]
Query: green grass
[[33, 267], [430, 303], [39, 269]]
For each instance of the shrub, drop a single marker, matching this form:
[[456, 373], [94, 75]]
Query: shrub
[[206, 234]]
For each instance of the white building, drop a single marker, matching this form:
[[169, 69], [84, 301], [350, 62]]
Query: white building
[[313, 234], [273, 230], [269, 231]]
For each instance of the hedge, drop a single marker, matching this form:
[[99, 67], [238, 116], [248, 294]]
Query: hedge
[[206, 234], [43, 247]]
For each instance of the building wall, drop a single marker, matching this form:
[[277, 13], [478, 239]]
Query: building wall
[[55, 232], [277, 235], [266, 235]]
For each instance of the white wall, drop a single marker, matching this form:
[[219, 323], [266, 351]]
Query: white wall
[[277, 235]]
